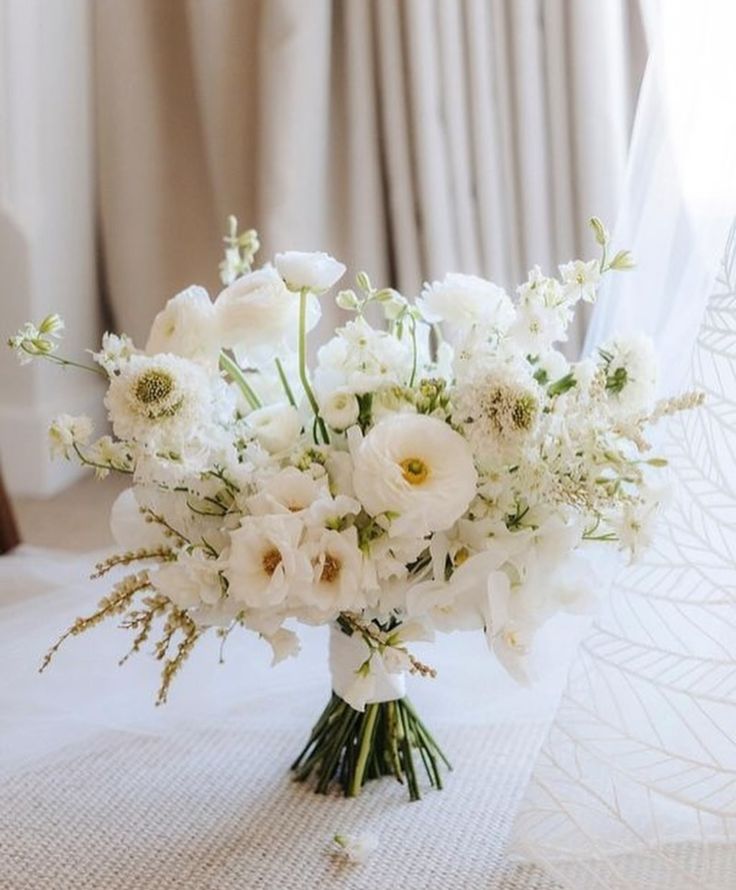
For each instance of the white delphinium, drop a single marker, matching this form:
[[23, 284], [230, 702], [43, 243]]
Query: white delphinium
[[581, 279], [187, 326], [190, 581], [162, 398], [339, 410], [631, 373], [498, 410], [465, 301], [116, 350], [265, 561], [258, 316], [66, 433], [276, 427], [316, 271], [416, 471], [360, 359]]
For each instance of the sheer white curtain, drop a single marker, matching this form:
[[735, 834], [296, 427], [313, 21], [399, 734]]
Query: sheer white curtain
[[410, 138], [635, 786]]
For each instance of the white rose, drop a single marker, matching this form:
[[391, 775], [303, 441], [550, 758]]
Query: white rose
[[340, 410], [186, 326], [466, 300], [257, 315], [276, 427], [315, 271], [416, 468]]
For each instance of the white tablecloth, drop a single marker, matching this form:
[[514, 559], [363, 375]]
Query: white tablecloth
[[99, 789]]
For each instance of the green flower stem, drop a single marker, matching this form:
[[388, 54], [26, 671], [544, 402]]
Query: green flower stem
[[85, 461], [365, 748], [414, 351], [227, 364], [67, 363], [303, 294], [285, 382]]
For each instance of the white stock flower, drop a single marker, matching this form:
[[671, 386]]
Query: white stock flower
[[339, 410], [464, 301], [187, 326], [360, 359], [257, 315], [581, 279], [417, 470], [159, 397], [66, 431], [190, 581], [276, 427], [265, 562], [315, 271], [357, 847]]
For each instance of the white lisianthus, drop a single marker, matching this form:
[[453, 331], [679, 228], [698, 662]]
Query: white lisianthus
[[265, 562], [417, 470], [289, 491], [340, 410], [581, 279], [276, 427], [187, 326], [464, 301], [190, 581], [66, 431], [160, 398], [337, 562], [315, 271], [258, 316]]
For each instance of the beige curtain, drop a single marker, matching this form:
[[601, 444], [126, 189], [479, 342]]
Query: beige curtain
[[408, 137]]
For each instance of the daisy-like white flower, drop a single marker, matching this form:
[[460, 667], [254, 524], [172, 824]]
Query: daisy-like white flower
[[631, 373], [464, 301], [265, 562], [417, 471], [315, 271], [581, 279], [187, 326], [162, 398]]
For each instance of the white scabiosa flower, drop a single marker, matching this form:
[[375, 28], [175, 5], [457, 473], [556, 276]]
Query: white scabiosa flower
[[340, 410], [257, 316], [66, 431], [316, 271], [265, 562], [464, 301], [159, 398], [187, 326], [631, 373], [581, 279], [276, 427], [417, 470]]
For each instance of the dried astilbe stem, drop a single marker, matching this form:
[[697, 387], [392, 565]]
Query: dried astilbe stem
[[177, 621], [162, 554], [685, 402], [142, 622], [114, 604]]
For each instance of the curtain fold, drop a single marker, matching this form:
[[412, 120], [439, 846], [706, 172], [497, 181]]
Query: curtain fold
[[409, 138]]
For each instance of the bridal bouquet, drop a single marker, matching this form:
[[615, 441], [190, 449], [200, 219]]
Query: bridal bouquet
[[441, 467]]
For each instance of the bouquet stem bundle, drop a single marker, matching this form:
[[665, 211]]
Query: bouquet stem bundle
[[349, 747]]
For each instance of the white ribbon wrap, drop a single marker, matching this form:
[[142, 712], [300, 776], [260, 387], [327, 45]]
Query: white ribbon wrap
[[347, 654]]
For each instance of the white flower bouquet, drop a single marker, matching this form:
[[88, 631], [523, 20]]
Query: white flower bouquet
[[446, 470]]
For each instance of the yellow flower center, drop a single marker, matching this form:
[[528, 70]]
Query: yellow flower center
[[153, 386], [331, 569], [270, 561], [414, 470]]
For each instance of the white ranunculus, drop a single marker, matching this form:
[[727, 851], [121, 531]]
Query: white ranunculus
[[340, 410], [257, 315], [315, 271], [187, 326], [466, 300], [417, 470], [265, 562], [276, 427]]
